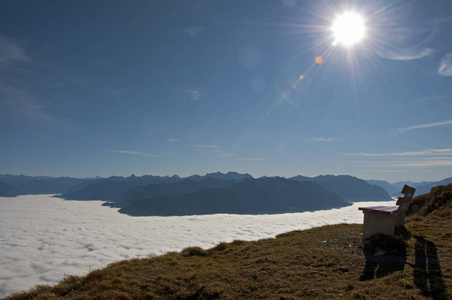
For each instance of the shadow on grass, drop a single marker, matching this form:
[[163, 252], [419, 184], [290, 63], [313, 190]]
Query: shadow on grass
[[427, 271], [384, 254]]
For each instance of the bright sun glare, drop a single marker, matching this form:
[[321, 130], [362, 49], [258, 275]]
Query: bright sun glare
[[348, 29]]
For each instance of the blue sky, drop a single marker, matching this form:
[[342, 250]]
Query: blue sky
[[100, 88]]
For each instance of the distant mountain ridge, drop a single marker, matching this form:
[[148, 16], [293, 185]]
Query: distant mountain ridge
[[124, 190], [251, 196], [348, 187], [39, 184], [388, 187], [237, 177], [81, 191], [394, 189]]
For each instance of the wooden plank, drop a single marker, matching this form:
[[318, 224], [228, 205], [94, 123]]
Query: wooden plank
[[389, 210]]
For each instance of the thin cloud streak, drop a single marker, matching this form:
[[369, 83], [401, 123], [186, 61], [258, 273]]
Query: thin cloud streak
[[195, 95], [11, 51], [445, 66], [139, 153], [322, 140], [205, 146], [130, 152], [428, 163], [253, 159], [427, 152], [406, 54], [19, 103], [193, 31], [421, 126], [436, 98]]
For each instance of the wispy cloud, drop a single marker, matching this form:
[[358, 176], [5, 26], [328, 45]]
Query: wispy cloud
[[405, 54], [445, 65], [15, 99], [436, 98], [222, 154], [428, 158], [192, 31], [195, 95], [11, 51], [19, 103], [421, 126], [139, 153], [205, 146], [311, 140], [130, 152], [427, 152], [253, 159], [173, 141], [418, 163]]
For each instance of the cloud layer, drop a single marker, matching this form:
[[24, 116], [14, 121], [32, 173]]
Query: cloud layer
[[43, 238]]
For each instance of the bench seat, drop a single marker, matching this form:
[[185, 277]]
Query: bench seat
[[388, 210], [384, 219]]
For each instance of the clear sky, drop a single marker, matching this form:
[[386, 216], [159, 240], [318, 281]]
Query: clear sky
[[100, 88]]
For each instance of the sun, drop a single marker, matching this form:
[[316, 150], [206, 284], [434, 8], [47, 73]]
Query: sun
[[348, 29]]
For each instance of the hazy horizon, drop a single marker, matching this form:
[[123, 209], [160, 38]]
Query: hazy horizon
[[270, 88]]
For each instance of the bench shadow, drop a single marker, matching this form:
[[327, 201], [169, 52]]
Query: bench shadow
[[385, 254], [427, 271]]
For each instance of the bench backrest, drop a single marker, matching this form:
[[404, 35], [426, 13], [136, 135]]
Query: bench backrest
[[405, 201]]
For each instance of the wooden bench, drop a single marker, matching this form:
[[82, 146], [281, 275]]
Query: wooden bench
[[384, 219]]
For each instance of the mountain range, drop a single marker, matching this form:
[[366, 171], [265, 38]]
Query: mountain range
[[394, 189], [212, 193], [348, 187], [250, 196]]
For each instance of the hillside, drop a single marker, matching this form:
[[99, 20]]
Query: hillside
[[436, 203], [328, 262], [251, 196], [8, 190], [184, 186], [424, 188]]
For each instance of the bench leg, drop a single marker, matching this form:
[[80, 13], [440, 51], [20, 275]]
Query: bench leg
[[399, 220], [376, 223]]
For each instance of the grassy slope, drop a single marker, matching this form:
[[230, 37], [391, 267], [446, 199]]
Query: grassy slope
[[324, 262]]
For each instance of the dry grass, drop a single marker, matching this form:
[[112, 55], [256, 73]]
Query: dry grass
[[328, 262]]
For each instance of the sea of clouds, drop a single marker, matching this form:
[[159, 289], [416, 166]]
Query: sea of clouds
[[43, 239]]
